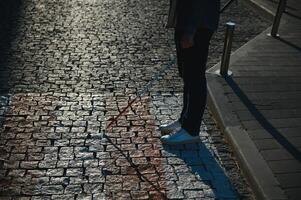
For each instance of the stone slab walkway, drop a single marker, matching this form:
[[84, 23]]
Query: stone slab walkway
[[259, 107]]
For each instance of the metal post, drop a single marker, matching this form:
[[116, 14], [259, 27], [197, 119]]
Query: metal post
[[227, 49], [277, 18]]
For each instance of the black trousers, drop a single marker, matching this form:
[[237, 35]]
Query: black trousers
[[192, 66]]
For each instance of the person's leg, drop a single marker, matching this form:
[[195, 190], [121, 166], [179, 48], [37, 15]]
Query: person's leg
[[177, 37], [185, 102], [180, 62], [173, 126], [195, 88]]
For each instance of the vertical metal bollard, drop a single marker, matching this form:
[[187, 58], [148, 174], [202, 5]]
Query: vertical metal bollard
[[277, 18], [227, 49]]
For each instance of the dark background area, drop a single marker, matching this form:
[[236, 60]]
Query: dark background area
[[9, 13]]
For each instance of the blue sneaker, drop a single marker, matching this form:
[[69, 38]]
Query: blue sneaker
[[169, 128], [179, 137]]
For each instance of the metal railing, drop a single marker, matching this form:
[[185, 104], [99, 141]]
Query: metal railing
[[277, 18], [224, 70]]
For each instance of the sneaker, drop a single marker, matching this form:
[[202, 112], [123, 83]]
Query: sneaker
[[179, 137], [169, 128]]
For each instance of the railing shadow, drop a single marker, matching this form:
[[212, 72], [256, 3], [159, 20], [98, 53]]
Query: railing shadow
[[276, 3], [289, 43], [293, 15], [204, 166], [262, 120]]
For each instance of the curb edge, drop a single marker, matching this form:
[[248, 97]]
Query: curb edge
[[258, 173]]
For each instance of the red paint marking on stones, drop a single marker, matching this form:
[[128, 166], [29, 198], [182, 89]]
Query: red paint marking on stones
[[114, 119], [140, 174]]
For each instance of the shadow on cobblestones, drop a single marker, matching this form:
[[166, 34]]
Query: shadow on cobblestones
[[9, 10], [203, 175]]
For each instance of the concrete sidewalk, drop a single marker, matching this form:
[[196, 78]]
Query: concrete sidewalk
[[259, 106]]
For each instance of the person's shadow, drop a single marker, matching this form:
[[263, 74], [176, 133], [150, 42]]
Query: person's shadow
[[209, 178]]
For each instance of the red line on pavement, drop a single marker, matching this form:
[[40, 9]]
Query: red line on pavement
[[113, 120]]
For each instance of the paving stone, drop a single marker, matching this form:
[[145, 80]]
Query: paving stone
[[73, 189], [285, 166], [59, 180], [193, 194], [267, 144], [139, 195], [293, 193], [291, 180], [276, 154], [74, 172], [62, 197], [53, 189], [175, 194]]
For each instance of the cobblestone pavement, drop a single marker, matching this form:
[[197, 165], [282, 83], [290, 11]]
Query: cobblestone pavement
[[67, 68]]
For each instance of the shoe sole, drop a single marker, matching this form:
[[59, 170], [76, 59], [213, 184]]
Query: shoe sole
[[167, 131], [196, 140]]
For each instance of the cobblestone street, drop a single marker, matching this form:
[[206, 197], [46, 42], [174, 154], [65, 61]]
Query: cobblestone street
[[67, 68]]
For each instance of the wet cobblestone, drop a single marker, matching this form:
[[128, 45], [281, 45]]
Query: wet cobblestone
[[71, 67]]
